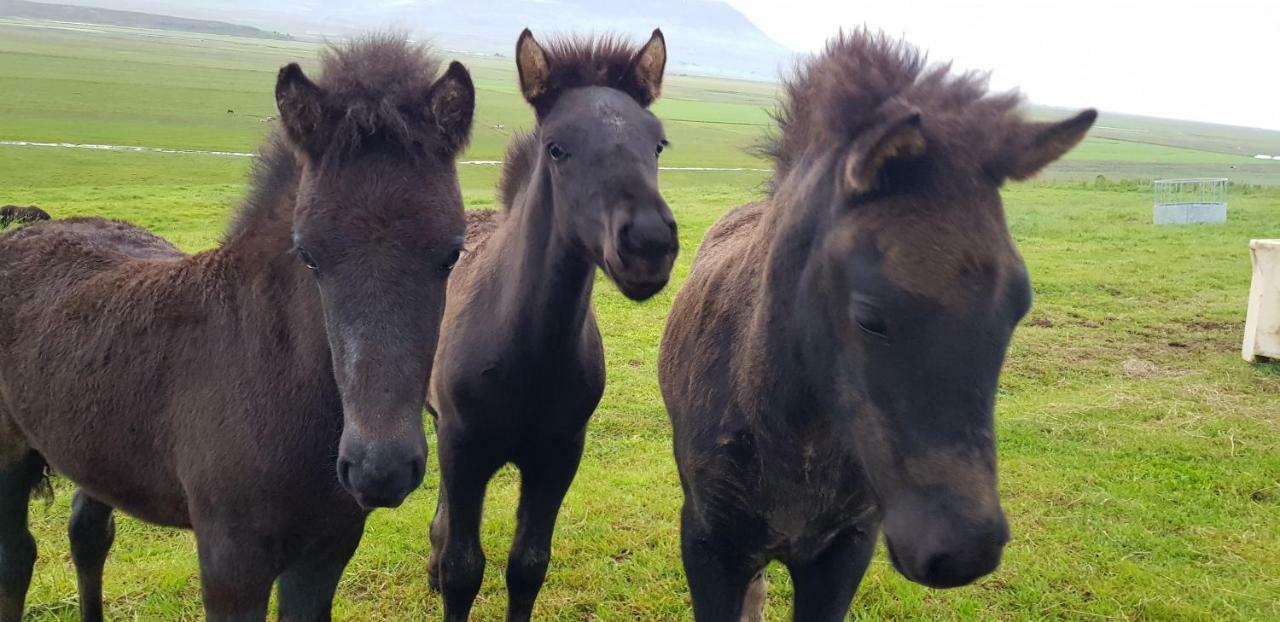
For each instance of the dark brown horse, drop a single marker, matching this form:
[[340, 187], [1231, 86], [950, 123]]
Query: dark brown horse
[[268, 393], [10, 214], [830, 366], [520, 366]]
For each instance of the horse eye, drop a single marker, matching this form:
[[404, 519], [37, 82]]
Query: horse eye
[[874, 327], [660, 148], [307, 260], [555, 151], [452, 260]]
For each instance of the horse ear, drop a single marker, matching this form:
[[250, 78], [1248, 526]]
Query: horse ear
[[898, 137], [453, 104], [531, 62], [300, 103], [1033, 146], [647, 67]]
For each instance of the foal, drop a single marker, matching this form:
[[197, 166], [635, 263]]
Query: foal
[[831, 364], [268, 393], [520, 366]]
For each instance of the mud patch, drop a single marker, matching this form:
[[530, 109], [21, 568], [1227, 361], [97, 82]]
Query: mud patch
[[1139, 368], [1209, 325]]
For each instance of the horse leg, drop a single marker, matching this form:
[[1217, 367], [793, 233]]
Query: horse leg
[[718, 579], [542, 490], [825, 586], [437, 534], [236, 573], [17, 546], [754, 602], [307, 587], [92, 530], [464, 476]]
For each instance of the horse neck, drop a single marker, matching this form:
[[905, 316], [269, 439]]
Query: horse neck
[[786, 328], [545, 281], [262, 279]]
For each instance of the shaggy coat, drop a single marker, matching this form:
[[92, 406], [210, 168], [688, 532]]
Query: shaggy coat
[[215, 391], [520, 367], [830, 364]]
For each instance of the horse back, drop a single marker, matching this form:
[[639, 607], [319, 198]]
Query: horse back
[[45, 255], [76, 300], [89, 270]]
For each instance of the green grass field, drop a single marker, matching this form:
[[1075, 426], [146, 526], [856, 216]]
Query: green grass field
[[1140, 456]]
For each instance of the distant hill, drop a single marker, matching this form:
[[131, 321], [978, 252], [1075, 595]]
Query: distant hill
[[134, 19], [706, 37]]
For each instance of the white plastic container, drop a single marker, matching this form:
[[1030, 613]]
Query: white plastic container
[[1262, 324]]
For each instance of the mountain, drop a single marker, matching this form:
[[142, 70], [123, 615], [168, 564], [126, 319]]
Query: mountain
[[706, 37], [133, 19]]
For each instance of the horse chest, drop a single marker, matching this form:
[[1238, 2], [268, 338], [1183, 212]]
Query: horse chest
[[520, 391], [801, 496]]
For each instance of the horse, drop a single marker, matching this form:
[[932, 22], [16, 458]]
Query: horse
[[520, 366], [268, 393], [10, 214], [830, 365]]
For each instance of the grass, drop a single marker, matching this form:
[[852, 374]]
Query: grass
[[1140, 458], [126, 86]]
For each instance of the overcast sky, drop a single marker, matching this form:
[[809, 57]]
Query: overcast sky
[[1207, 61]]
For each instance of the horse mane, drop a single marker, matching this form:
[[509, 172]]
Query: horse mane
[[603, 60], [522, 156], [275, 170], [376, 88], [834, 96]]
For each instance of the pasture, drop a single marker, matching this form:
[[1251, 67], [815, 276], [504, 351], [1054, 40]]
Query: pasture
[[1140, 457]]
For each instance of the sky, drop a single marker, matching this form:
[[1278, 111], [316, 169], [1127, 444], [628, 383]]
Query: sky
[[1206, 61]]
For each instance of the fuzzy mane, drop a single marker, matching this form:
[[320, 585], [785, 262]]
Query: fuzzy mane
[[376, 88], [274, 172], [522, 156], [835, 95], [576, 62]]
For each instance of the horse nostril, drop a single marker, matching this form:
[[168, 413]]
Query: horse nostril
[[960, 567], [627, 238], [940, 568], [344, 472], [649, 234]]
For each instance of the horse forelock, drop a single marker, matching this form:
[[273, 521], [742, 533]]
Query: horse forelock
[[834, 96], [376, 89]]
